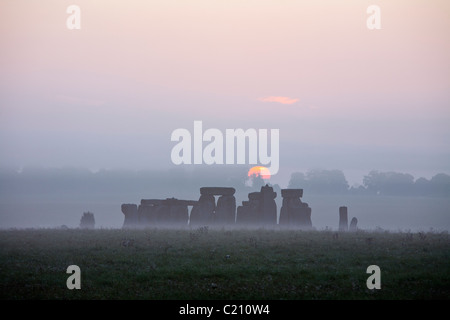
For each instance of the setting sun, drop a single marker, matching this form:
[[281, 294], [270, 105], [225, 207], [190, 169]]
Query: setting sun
[[261, 171]]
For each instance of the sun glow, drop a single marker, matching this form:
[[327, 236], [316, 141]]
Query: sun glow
[[260, 171]]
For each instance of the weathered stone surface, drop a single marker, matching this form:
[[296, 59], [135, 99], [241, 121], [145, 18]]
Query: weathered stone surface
[[292, 193], [268, 206], [254, 196], [172, 211], [217, 191], [205, 211], [260, 209], [152, 202], [284, 215], [247, 214], [178, 215], [188, 202], [294, 213], [131, 215], [226, 210], [343, 219], [148, 215], [241, 215], [202, 212], [168, 201], [159, 212], [353, 225]]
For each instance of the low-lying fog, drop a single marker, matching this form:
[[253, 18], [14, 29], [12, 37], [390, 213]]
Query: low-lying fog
[[46, 199], [391, 213]]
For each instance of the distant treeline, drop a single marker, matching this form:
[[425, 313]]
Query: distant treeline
[[375, 183], [61, 183], [177, 182]]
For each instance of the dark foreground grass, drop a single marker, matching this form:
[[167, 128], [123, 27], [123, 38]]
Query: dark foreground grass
[[223, 264]]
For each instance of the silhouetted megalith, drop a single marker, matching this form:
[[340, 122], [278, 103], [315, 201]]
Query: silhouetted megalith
[[178, 212], [217, 191], [292, 193], [254, 196], [343, 219], [151, 212], [157, 212], [260, 209], [353, 224], [226, 210], [131, 215], [205, 212], [268, 206], [247, 214], [242, 213], [167, 212], [202, 212], [152, 202], [294, 212]]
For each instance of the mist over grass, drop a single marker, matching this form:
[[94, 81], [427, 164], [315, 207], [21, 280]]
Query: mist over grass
[[62, 183], [205, 263], [51, 197], [390, 213]]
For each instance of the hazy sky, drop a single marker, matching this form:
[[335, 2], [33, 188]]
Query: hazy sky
[[110, 94]]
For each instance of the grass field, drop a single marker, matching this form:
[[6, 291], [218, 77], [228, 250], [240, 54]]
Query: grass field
[[222, 264]]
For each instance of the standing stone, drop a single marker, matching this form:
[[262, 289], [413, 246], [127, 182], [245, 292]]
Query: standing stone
[[248, 213], [157, 212], [146, 215], [205, 212], [217, 191], [226, 210], [268, 206], [151, 212], [254, 203], [242, 214], [260, 209], [202, 212], [284, 213], [164, 212], [343, 219], [353, 224], [131, 215], [178, 212], [294, 212]]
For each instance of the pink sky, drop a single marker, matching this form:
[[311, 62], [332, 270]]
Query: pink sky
[[163, 61]]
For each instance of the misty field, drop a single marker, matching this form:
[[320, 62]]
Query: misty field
[[222, 264]]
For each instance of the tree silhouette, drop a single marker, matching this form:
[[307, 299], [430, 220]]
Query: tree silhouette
[[87, 221], [320, 181], [389, 183]]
